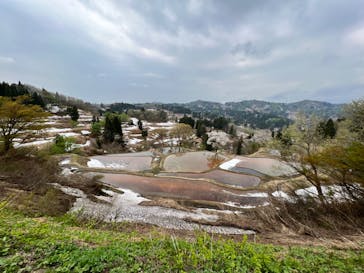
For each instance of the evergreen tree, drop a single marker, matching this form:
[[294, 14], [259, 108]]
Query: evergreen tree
[[37, 99], [73, 112], [108, 130], [221, 123], [117, 130], [187, 120], [330, 130], [116, 124], [327, 129], [140, 125], [239, 146], [232, 130], [145, 134], [200, 128]]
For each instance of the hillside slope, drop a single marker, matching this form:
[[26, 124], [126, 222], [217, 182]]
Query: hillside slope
[[62, 245]]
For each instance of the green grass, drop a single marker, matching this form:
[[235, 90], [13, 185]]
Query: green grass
[[60, 245]]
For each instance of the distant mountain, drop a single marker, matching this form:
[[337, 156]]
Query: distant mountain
[[338, 94], [255, 113], [260, 114]]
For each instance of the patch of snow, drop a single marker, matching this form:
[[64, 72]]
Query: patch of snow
[[135, 121], [75, 146], [65, 162], [125, 207], [55, 130], [70, 134], [33, 143], [281, 195], [54, 109], [66, 172], [57, 117], [202, 210], [49, 123], [255, 194], [134, 141], [131, 128], [70, 191], [335, 192], [94, 163], [229, 164]]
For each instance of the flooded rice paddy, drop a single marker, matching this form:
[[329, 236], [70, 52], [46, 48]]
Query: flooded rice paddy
[[258, 166], [128, 162], [222, 177], [192, 162], [181, 189], [125, 206]]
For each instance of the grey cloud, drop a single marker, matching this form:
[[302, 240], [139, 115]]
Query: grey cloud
[[249, 49], [183, 50]]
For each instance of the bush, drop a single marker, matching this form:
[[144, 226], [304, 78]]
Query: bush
[[61, 145]]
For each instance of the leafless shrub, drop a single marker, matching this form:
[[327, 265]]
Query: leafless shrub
[[310, 217]]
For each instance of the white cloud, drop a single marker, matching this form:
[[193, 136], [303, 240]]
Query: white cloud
[[356, 36], [195, 7], [6, 60], [169, 14], [113, 29]]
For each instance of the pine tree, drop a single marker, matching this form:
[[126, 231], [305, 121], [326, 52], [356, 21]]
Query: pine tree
[[330, 130], [239, 146], [108, 134], [200, 128], [116, 124], [140, 125], [73, 112]]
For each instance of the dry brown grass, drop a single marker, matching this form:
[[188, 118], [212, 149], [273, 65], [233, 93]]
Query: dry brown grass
[[311, 217], [25, 184]]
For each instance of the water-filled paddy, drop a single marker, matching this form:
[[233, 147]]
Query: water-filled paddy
[[179, 188], [191, 162], [129, 161], [258, 166], [223, 177]]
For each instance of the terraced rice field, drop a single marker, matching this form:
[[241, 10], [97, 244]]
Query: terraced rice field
[[222, 177], [191, 162], [258, 166], [179, 188], [129, 162]]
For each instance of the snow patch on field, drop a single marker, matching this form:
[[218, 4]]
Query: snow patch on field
[[281, 195], [229, 164], [126, 207], [94, 163], [33, 143], [70, 134], [134, 141], [70, 191], [65, 162], [236, 205], [56, 130], [255, 194], [334, 192], [85, 132]]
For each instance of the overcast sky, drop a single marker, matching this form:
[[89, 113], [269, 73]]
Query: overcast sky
[[179, 51]]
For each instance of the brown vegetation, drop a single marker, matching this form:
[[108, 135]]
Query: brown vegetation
[[25, 184]]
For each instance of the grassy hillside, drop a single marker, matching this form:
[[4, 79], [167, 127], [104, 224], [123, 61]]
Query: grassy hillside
[[62, 245]]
